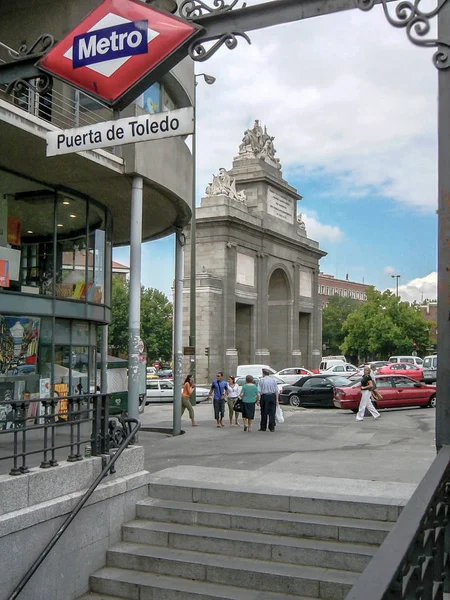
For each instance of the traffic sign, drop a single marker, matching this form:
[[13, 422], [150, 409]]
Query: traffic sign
[[119, 50]]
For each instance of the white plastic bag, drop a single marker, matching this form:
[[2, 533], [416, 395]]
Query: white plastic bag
[[279, 417]]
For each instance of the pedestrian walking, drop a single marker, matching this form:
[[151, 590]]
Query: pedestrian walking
[[233, 392], [188, 388], [218, 391], [366, 401], [268, 390], [249, 395]]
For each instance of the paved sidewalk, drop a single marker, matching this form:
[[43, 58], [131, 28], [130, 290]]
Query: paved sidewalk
[[320, 452]]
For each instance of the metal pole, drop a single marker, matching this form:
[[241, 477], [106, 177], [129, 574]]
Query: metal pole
[[443, 294], [178, 332], [134, 317], [193, 266], [104, 360]]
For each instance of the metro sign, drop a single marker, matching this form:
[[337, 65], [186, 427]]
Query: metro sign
[[119, 50]]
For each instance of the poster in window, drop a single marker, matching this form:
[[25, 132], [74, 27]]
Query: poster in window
[[4, 273], [152, 99], [14, 226], [6, 408], [19, 340]]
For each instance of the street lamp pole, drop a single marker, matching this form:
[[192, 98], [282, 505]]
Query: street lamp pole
[[209, 79], [396, 277]]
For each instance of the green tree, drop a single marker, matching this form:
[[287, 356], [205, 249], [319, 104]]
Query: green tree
[[156, 324], [156, 321], [333, 318], [118, 328], [383, 326]]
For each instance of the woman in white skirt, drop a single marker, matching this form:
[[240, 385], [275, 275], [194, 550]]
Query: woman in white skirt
[[366, 402]]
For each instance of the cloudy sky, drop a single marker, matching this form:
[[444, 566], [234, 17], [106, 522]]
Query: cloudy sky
[[352, 105]]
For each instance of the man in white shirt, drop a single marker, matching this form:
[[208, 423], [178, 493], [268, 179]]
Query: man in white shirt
[[267, 387]]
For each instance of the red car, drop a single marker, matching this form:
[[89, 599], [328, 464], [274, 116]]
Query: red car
[[397, 391], [406, 369]]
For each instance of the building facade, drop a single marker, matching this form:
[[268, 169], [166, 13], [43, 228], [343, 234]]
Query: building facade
[[257, 270], [61, 216], [328, 286]]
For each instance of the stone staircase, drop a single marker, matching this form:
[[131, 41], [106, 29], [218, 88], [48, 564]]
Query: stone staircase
[[202, 542]]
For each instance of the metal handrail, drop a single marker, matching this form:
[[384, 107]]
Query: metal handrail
[[411, 560], [79, 505]]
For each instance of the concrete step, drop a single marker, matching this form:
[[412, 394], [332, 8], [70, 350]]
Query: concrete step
[[260, 546], [265, 521], [316, 582], [364, 508], [136, 585], [92, 596]]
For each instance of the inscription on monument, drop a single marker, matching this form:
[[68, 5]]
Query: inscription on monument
[[280, 205]]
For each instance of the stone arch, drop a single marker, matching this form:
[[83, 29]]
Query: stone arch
[[279, 298]]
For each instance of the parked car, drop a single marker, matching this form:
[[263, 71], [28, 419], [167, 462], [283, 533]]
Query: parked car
[[255, 370], [164, 373], [343, 368], [161, 390], [402, 369], [292, 374], [312, 390], [396, 390], [151, 373], [327, 364], [280, 383], [412, 360], [377, 364], [430, 368]]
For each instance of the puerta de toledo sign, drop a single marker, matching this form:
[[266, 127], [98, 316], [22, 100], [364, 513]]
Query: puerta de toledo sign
[[130, 130], [119, 50]]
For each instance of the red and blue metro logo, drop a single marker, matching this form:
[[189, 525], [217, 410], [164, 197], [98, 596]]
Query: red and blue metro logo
[[119, 49]]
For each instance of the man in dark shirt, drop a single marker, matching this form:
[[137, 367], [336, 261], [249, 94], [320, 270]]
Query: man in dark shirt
[[218, 391]]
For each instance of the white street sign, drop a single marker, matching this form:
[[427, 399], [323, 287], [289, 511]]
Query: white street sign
[[130, 130]]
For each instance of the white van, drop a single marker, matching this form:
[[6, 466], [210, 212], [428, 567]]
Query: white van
[[335, 357], [430, 368], [412, 360], [253, 370], [328, 363]]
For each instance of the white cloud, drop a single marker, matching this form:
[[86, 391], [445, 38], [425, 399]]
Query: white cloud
[[344, 95], [389, 270], [320, 231], [419, 289]]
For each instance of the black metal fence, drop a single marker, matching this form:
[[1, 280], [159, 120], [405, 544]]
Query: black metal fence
[[43, 428], [414, 560]]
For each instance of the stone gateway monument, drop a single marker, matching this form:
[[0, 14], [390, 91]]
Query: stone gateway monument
[[257, 270]]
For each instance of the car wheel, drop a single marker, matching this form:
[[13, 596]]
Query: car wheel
[[432, 402], [294, 400]]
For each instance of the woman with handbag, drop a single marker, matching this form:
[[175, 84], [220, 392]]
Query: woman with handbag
[[232, 396], [366, 402], [249, 395], [188, 388]]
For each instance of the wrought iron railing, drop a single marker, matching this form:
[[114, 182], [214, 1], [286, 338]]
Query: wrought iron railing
[[108, 467], [45, 430], [414, 560]]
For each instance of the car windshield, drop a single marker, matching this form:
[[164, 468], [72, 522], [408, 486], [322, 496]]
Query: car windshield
[[339, 381]]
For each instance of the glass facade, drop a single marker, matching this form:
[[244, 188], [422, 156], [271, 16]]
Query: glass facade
[[55, 262], [53, 243]]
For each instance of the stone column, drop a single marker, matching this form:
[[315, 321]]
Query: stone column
[[262, 354], [296, 352], [230, 358]]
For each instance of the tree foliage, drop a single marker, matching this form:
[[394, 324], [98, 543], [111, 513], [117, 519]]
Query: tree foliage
[[333, 318], [156, 321], [384, 326]]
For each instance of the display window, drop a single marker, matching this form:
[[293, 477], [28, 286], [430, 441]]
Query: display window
[[52, 243]]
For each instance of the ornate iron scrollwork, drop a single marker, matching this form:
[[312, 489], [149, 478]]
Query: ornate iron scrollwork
[[199, 53], [407, 14], [192, 9], [40, 85], [43, 43]]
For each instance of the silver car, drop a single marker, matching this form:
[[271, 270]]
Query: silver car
[[161, 390]]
